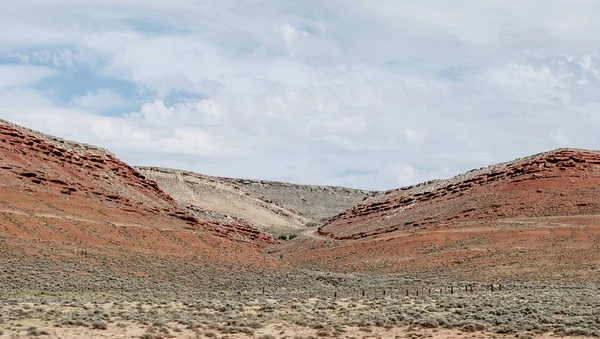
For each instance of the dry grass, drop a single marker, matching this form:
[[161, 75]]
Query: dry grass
[[516, 311]]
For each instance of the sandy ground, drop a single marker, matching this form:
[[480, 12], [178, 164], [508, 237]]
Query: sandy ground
[[128, 330]]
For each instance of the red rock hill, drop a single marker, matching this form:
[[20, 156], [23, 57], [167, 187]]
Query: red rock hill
[[558, 183], [62, 197], [545, 208]]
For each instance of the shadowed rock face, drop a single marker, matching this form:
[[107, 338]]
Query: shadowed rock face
[[536, 217], [61, 197]]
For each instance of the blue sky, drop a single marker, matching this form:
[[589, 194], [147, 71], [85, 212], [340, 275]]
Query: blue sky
[[370, 94]]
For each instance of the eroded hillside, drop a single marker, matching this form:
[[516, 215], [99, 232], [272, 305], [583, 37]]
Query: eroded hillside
[[220, 200], [61, 200], [275, 207], [536, 216], [317, 203]]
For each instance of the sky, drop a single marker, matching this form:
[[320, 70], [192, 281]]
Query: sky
[[372, 94]]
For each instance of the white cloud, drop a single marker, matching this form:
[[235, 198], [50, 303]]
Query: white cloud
[[14, 76], [412, 136], [288, 33], [100, 100], [121, 134], [58, 57], [197, 112], [323, 92], [404, 174], [561, 139]]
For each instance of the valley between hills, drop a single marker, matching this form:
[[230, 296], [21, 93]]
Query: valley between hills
[[92, 247]]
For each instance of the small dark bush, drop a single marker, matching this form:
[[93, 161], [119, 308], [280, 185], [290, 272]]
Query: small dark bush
[[99, 325]]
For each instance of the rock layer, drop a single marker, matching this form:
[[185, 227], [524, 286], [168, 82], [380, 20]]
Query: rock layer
[[562, 182], [535, 218], [316, 203], [222, 201], [275, 207], [60, 198]]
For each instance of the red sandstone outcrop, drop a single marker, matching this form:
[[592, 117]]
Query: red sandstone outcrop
[[561, 182], [37, 163], [535, 218]]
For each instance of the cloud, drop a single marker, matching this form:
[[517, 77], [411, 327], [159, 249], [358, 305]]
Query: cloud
[[560, 139], [412, 136], [100, 100], [14, 76], [404, 174], [288, 33], [58, 57], [313, 92], [198, 112]]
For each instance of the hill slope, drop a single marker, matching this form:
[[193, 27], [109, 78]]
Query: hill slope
[[317, 203], [220, 200], [275, 207], [60, 200], [535, 216]]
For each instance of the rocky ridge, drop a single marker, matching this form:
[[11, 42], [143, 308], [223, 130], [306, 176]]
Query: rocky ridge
[[317, 203], [53, 165], [400, 207], [275, 207], [222, 201], [534, 218]]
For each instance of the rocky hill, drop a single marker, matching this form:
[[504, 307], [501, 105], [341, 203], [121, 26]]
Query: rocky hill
[[60, 199], [317, 203], [522, 216], [275, 207], [222, 201]]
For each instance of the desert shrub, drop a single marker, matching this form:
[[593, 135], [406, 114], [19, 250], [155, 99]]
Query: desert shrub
[[254, 324], [473, 326], [427, 323], [99, 325], [34, 331], [236, 329], [577, 331], [285, 237]]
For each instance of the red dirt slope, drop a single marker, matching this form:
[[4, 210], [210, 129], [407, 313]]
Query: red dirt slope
[[61, 197], [547, 206]]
